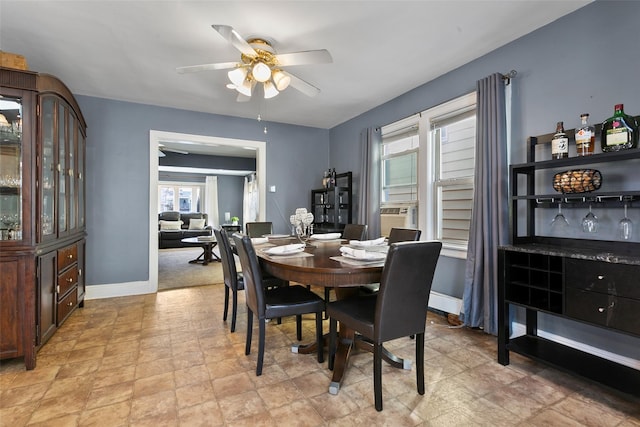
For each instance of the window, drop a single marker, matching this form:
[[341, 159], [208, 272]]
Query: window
[[454, 141], [449, 159], [400, 144], [180, 197]]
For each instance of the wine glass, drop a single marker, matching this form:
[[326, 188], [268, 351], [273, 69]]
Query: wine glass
[[590, 222], [559, 221], [625, 226]]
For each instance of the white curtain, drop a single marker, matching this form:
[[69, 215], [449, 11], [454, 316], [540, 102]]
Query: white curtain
[[211, 200], [250, 200]]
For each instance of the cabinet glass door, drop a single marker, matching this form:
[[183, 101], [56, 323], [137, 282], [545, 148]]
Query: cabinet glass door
[[10, 168], [47, 181], [62, 172], [80, 177], [73, 138]]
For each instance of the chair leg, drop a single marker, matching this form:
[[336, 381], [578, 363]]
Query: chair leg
[[247, 349], [333, 327], [299, 327], [377, 375], [319, 337], [234, 310], [261, 331], [420, 362], [226, 303], [326, 301]]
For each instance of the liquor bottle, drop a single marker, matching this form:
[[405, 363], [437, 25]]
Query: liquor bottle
[[585, 137], [333, 177], [619, 132], [560, 143]]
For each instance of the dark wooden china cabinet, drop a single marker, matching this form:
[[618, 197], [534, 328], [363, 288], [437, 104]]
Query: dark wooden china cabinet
[[590, 280], [42, 210]]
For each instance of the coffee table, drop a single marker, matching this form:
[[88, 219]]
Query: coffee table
[[207, 244]]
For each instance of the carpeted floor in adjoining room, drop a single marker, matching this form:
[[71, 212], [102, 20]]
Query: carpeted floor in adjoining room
[[174, 270]]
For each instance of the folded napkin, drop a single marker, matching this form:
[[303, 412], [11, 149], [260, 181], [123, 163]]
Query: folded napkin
[[326, 236], [374, 242], [362, 254], [259, 240], [285, 249]]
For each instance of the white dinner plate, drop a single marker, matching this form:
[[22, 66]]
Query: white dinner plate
[[370, 256], [275, 252]]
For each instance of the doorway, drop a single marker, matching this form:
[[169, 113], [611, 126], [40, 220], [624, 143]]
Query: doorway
[[155, 139]]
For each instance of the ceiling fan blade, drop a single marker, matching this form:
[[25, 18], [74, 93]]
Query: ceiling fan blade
[[304, 87], [207, 67], [233, 37], [321, 56]]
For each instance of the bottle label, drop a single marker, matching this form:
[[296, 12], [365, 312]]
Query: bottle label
[[583, 136], [617, 136], [560, 145]]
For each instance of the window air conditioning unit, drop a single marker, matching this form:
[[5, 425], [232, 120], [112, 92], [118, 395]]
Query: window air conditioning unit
[[400, 216]]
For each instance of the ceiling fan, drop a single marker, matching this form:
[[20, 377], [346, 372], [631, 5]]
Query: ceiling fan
[[260, 63], [162, 149]]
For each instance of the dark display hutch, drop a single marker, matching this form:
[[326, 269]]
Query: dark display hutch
[[332, 207], [589, 281], [42, 209]]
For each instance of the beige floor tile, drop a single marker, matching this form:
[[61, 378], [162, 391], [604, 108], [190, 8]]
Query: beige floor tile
[[168, 359]]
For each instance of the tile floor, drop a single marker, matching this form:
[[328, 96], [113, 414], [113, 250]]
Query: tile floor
[[168, 359]]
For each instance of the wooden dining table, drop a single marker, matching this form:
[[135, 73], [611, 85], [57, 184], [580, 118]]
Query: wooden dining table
[[318, 266]]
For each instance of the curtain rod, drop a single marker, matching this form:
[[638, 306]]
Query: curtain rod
[[507, 77]]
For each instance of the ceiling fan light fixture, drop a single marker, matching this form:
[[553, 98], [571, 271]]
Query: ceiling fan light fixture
[[269, 90], [245, 87], [237, 76], [261, 72], [281, 80]]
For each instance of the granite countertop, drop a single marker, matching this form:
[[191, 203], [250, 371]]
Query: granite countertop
[[587, 254]]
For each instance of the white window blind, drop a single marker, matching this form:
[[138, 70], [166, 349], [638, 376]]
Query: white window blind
[[454, 142], [400, 143]]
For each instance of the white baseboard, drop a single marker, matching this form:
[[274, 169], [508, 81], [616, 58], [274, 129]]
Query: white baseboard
[[445, 303], [518, 329], [120, 290]]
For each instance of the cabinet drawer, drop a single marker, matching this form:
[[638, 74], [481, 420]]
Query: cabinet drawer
[[67, 280], [67, 256], [604, 309], [66, 306], [604, 277]]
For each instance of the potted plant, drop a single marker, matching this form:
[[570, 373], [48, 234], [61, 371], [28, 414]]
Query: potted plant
[[234, 220]]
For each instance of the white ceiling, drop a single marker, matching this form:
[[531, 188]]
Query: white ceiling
[[129, 50]]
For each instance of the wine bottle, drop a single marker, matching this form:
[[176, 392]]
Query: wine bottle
[[560, 143], [585, 137], [619, 132]]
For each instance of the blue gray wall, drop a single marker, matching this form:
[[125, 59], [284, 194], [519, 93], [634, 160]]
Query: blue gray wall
[[587, 61]]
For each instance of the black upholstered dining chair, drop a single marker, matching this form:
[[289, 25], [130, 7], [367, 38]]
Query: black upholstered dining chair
[[355, 232], [258, 229], [403, 235], [233, 281], [275, 302], [398, 310]]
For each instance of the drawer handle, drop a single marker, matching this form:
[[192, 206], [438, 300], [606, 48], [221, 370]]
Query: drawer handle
[[70, 256], [69, 280], [58, 289], [600, 309], [600, 277], [70, 304]]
